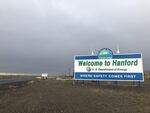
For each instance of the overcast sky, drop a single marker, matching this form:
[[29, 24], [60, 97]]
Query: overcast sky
[[44, 35]]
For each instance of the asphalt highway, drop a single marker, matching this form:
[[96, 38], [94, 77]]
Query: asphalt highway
[[15, 80]]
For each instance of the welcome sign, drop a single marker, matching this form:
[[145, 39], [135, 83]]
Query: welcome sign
[[107, 66]]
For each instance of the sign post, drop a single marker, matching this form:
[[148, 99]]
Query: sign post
[[107, 66]]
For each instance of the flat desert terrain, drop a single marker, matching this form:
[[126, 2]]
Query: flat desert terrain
[[61, 96]]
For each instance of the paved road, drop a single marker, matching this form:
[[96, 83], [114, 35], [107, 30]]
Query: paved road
[[15, 80]]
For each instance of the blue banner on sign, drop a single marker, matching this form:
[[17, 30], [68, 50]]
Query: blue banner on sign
[[109, 76], [117, 56]]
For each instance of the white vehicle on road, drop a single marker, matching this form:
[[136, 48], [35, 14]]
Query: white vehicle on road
[[44, 75]]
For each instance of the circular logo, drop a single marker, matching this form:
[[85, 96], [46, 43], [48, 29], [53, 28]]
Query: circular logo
[[88, 69], [105, 53]]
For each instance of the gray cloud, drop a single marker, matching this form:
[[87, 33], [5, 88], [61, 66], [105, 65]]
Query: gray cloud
[[44, 35]]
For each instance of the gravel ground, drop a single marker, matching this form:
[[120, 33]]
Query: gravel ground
[[53, 96]]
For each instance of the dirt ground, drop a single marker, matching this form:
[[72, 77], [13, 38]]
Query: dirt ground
[[54, 96]]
